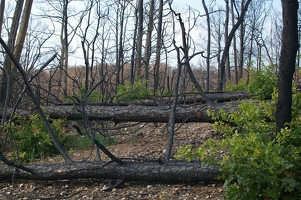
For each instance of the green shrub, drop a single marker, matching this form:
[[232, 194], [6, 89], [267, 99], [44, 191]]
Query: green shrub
[[241, 86], [84, 142], [95, 96], [260, 83], [255, 164], [32, 139], [133, 92]]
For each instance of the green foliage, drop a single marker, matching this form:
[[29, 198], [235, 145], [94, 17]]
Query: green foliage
[[257, 163], [241, 86], [32, 139], [95, 96], [133, 92], [261, 83], [84, 142], [166, 93]]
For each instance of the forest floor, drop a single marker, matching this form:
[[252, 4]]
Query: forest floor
[[143, 141]]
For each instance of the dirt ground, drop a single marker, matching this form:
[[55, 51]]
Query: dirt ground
[[143, 141]]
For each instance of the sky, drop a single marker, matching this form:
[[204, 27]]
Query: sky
[[179, 6]]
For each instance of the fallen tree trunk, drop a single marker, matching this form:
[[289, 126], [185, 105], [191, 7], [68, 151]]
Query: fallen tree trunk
[[196, 113], [184, 99], [167, 172]]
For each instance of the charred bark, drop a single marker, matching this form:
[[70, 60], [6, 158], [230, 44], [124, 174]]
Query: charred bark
[[167, 172], [189, 98], [287, 65], [134, 113]]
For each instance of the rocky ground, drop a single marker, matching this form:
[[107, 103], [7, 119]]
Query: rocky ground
[[143, 141]]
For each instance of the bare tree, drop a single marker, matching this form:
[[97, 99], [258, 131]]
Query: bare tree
[[242, 46], [64, 47], [208, 49], [138, 59], [148, 41], [134, 47], [234, 43], [120, 30], [222, 64], [23, 29], [158, 47], [8, 70], [185, 61], [226, 36], [2, 8]]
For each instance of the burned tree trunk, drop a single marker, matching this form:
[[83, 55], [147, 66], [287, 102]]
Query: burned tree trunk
[[134, 113], [189, 98], [167, 172]]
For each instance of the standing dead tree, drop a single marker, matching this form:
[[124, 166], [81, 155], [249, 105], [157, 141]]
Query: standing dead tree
[[287, 63], [222, 64], [181, 62], [155, 170]]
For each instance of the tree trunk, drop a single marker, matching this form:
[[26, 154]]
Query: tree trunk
[[134, 113], [208, 46], [242, 47], [148, 41], [228, 73], [134, 45], [222, 64], [188, 98], [23, 30], [6, 76], [234, 45], [64, 51], [120, 40], [186, 58], [2, 8], [287, 62], [138, 60], [158, 48], [155, 171]]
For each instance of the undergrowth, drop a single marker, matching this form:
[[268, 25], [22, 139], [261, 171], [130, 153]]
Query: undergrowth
[[136, 91], [29, 140], [257, 163]]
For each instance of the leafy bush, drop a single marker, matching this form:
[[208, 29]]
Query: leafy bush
[[85, 142], [241, 86], [133, 92], [256, 164], [263, 82], [95, 96], [32, 139], [260, 83]]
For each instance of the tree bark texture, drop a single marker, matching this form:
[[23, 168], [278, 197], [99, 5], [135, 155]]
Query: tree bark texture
[[218, 97], [138, 60], [23, 29], [289, 49], [158, 48], [148, 41], [197, 113], [167, 172], [2, 8], [5, 82], [208, 49]]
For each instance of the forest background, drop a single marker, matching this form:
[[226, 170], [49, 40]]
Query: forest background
[[108, 52]]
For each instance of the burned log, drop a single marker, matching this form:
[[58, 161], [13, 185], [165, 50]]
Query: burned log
[[134, 113], [219, 97], [166, 172]]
